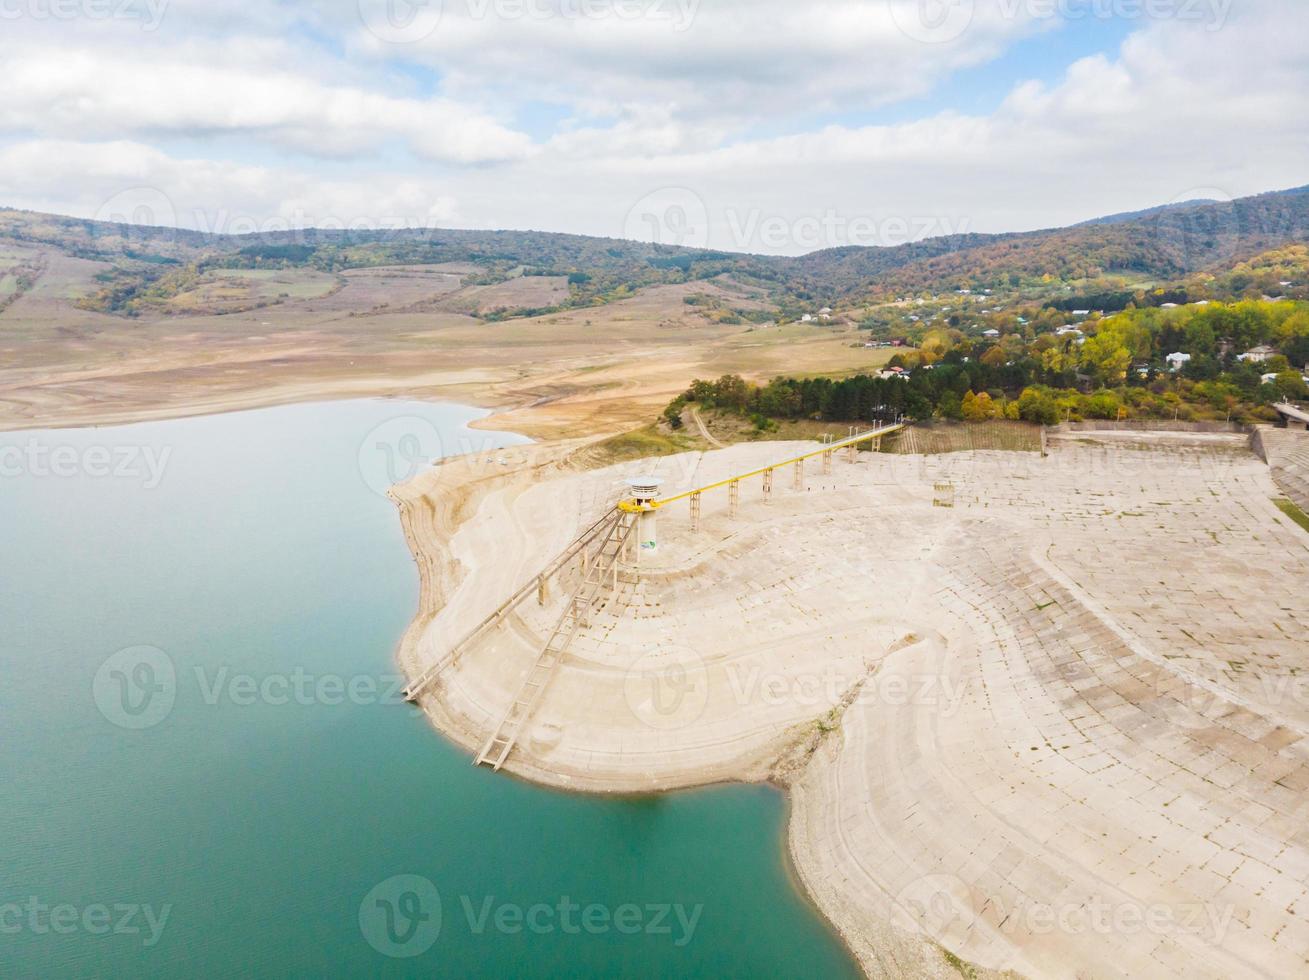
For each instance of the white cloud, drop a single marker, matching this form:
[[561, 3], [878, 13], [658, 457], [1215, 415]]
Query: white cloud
[[104, 93], [127, 181], [744, 60], [1180, 106]]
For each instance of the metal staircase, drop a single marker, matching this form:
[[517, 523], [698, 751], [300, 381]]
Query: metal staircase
[[535, 583], [600, 572]]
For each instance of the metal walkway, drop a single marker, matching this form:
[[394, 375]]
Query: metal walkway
[[576, 616], [600, 568], [537, 583], [732, 482]]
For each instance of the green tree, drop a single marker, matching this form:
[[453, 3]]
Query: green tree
[[673, 412], [950, 406], [1291, 385], [731, 391], [1035, 405]]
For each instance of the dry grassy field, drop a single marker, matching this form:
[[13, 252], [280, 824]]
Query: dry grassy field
[[232, 290], [400, 330]]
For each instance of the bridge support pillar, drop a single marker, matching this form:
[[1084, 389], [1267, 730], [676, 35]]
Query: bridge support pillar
[[799, 474], [733, 497], [827, 463], [695, 512], [768, 486], [582, 611]]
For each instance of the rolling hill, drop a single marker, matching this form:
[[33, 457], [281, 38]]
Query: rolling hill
[[151, 265]]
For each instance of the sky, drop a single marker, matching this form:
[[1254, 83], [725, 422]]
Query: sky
[[771, 126]]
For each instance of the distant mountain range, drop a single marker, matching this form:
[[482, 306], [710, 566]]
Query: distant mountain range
[[1164, 243]]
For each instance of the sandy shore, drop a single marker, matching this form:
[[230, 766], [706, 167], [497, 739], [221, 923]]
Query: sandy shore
[[1071, 695]]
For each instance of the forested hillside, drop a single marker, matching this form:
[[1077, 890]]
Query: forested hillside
[[1168, 244]]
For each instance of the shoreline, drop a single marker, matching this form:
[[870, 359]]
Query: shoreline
[[435, 575], [253, 401], [856, 857], [433, 508]]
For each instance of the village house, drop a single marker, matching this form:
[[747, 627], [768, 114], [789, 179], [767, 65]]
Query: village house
[[1257, 355]]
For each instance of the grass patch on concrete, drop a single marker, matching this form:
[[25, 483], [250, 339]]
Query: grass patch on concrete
[[730, 427], [1289, 508], [637, 444]]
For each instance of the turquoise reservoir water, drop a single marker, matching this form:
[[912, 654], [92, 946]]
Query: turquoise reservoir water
[[205, 772]]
